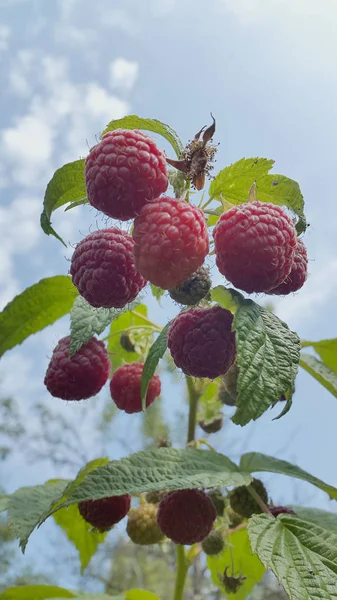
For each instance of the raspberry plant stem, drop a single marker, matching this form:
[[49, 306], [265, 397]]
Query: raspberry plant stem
[[146, 320], [182, 565], [258, 499], [193, 397]]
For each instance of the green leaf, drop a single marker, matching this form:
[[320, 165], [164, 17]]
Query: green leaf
[[134, 122], [238, 551], [4, 500], [157, 292], [327, 350], [302, 555], [66, 185], [156, 352], [86, 321], [268, 357], [254, 461], [235, 181], [118, 355], [79, 202], [326, 376], [35, 308], [140, 595], [323, 518], [153, 470], [35, 592], [224, 298], [79, 532], [27, 504]]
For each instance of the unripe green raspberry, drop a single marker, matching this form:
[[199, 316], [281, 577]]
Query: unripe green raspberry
[[224, 396], [155, 497], [234, 518], [231, 381], [211, 426], [218, 501], [126, 342], [142, 527], [193, 289], [243, 503], [213, 544]]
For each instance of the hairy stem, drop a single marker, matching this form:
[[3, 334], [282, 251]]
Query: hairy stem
[[146, 320], [259, 500], [193, 397], [181, 572]]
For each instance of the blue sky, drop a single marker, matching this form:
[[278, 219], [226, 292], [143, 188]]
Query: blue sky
[[266, 69]]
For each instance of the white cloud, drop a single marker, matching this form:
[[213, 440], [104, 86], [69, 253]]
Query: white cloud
[[123, 73], [119, 19], [60, 114], [19, 233], [5, 33]]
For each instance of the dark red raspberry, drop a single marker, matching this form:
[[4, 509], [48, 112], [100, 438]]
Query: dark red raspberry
[[298, 274], [201, 341], [186, 516], [193, 289], [81, 376], [103, 269], [171, 241], [255, 245], [105, 512], [123, 172], [280, 510], [125, 388]]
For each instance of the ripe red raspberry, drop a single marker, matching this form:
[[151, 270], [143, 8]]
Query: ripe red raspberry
[[123, 172], [255, 245], [125, 388], [186, 516], [105, 512], [103, 269], [201, 341], [171, 241], [81, 376], [298, 274]]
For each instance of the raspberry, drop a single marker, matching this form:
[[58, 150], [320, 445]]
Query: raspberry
[[201, 341], [218, 501], [81, 376], [280, 510], [298, 274], [123, 172], [224, 397], [255, 245], [193, 289], [186, 516], [230, 381], [212, 426], [233, 518], [106, 512], [171, 241], [103, 269], [213, 544], [126, 342], [125, 388], [155, 497], [142, 527], [243, 503]]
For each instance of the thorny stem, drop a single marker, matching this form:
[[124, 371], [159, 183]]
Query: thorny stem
[[193, 397], [258, 499], [182, 565]]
